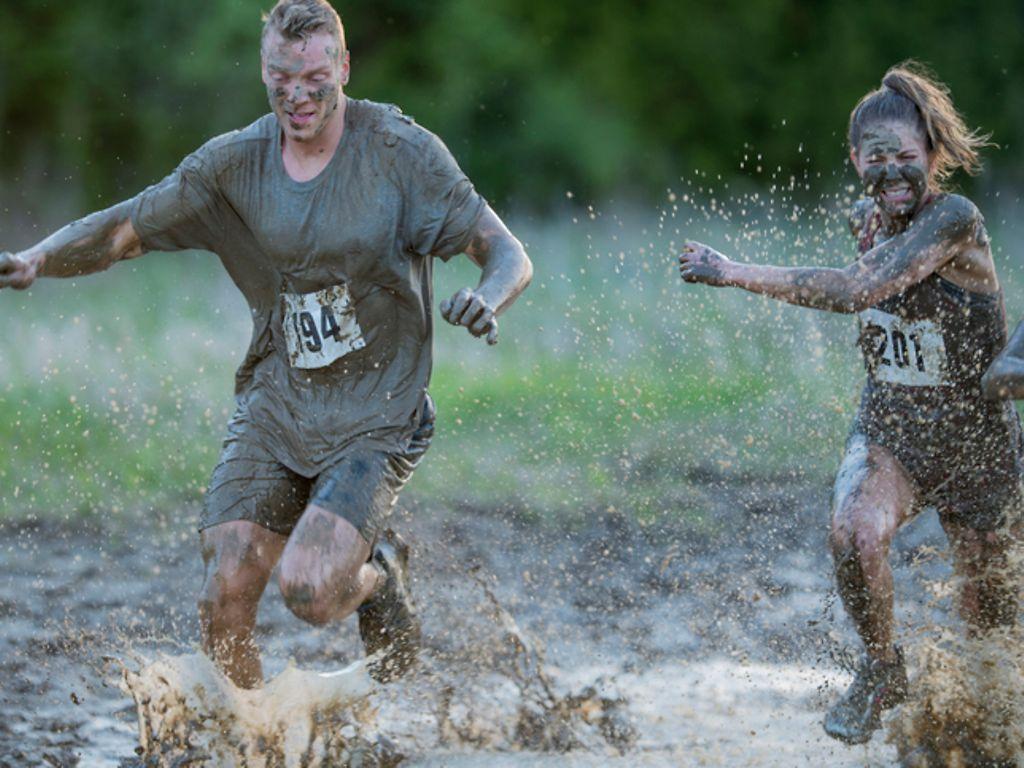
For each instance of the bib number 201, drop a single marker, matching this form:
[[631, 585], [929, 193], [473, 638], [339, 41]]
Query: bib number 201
[[320, 327], [906, 352]]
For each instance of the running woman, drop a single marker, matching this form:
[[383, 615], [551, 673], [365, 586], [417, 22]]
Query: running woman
[[931, 321], [327, 214]]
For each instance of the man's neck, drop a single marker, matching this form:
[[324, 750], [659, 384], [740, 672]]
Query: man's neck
[[316, 153]]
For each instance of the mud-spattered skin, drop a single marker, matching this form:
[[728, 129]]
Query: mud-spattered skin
[[505, 276], [893, 163], [89, 245], [305, 81], [942, 231]]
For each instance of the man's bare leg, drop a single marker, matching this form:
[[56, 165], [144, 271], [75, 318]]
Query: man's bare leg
[[327, 573], [239, 557], [325, 569]]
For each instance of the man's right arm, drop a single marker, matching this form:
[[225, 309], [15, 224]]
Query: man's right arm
[[85, 246]]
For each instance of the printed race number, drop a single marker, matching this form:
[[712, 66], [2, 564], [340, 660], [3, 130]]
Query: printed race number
[[320, 327], [906, 352]]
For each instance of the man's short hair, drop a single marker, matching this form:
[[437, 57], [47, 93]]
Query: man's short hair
[[298, 19]]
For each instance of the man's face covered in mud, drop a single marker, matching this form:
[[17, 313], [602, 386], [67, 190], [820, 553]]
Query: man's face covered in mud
[[304, 80], [893, 163]]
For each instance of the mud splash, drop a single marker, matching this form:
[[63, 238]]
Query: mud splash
[[498, 694], [967, 704], [517, 704], [190, 714]]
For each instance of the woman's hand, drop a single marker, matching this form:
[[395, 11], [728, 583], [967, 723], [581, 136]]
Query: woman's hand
[[699, 263], [16, 272]]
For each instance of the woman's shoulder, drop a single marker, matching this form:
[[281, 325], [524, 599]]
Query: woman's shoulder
[[955, 215]]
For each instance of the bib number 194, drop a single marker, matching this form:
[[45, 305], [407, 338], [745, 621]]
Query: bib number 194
[[320, 327]]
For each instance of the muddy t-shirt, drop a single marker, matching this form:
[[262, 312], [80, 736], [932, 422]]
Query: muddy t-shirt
[[336, 272]]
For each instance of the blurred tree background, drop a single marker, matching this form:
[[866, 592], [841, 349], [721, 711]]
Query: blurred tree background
[[604, 97]]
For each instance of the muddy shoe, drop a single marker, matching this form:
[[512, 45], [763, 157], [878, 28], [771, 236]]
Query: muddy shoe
[[878, 685], [387, 620]]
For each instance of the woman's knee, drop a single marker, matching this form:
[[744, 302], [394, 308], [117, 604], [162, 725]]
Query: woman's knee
[[859, 536]]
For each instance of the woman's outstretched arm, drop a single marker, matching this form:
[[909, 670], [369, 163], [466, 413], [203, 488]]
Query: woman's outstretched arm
[[934, 237]]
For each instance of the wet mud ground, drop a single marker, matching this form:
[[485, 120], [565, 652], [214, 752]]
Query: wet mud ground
[[722, 642]]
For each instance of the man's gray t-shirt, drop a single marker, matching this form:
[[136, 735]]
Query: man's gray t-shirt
[[365, 229]]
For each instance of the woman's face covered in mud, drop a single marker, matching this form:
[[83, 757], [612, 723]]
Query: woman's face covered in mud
[[893, 163], [304, 80]]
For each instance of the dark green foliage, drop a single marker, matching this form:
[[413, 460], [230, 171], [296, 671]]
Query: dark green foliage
[[536, 98]]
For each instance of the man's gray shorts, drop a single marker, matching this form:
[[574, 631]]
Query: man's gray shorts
[[250, 484]]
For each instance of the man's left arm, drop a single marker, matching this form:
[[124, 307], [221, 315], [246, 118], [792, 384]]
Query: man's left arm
[[506, 271]]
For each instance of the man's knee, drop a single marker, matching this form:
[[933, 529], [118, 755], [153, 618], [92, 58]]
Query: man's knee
[[230, 591], [314, 599], [315, 604], [237, 569]]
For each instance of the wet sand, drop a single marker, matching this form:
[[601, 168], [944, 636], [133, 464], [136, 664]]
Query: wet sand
[[722, 643]]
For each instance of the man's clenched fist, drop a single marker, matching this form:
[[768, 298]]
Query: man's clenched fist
[[469, 308]]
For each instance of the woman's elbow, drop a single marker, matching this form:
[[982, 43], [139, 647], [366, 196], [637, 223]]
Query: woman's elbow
[[527, 270]]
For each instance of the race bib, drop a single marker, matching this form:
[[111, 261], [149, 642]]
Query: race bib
[[320, 327], [910, 353]]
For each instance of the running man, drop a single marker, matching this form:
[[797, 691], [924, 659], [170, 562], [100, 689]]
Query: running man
[[931, 322], [326, 214]]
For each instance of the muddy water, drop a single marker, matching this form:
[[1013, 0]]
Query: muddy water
[[664, 649]]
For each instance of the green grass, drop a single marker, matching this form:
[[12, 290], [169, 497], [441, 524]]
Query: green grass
[[613, 385]]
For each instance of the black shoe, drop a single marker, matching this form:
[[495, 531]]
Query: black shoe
[[878, 685], [387, 620]]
